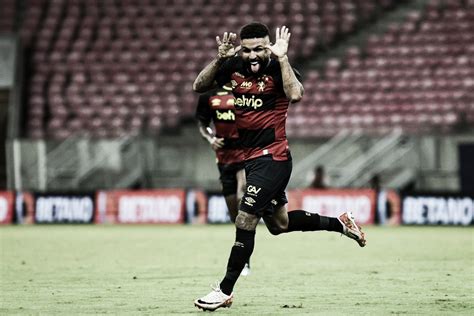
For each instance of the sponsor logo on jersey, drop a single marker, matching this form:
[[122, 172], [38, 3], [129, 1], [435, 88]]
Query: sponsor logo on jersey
[[215, 102], [225, 116], [246, 85], [252, 102]]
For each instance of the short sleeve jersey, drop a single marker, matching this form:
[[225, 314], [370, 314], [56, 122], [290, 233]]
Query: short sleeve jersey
[[261, 108], [217, 106]]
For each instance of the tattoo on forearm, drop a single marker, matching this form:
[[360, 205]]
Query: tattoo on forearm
[[291, 85], [205, 79]]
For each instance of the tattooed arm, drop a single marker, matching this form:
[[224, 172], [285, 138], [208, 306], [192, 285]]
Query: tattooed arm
[[205, 79], [225, 50], [293, 88], [291, 85]]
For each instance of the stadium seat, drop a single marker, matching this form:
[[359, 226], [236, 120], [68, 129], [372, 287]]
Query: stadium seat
[[417, 72], [114, 57]]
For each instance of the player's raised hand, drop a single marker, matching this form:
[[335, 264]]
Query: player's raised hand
[[282, 38], [225, 47]]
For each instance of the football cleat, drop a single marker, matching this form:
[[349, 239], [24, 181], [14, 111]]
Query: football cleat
[[214, 300], [246, 270], [351, 229]]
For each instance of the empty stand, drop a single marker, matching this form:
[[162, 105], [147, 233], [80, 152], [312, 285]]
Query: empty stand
[[112, 67], [417, 76], [7, 16]]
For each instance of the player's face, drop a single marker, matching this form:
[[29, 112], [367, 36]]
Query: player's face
[[254, 53]]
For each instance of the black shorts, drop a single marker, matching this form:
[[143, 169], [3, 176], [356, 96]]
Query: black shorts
[[266, 183], [228, 177]]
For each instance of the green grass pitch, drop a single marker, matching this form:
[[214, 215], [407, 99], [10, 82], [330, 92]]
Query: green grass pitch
[[160, 270]]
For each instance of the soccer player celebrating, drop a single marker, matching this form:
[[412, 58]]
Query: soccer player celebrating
[[217, 106], [263, 86]]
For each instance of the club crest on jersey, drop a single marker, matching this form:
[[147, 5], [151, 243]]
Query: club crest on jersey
[[261, 85], [252, 102]]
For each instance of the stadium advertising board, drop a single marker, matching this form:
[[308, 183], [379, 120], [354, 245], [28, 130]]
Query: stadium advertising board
[[196, 206], [388, 210], [217, 209], [6, 207], [324, 202], [64, 208], [334, 202], [25, 207], [437, 209], [142, 207]]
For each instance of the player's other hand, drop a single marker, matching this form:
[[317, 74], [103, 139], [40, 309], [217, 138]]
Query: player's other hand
[[282, 38], [225, 47], [217, 143]]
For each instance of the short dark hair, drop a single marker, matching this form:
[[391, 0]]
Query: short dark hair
[[254, 30]]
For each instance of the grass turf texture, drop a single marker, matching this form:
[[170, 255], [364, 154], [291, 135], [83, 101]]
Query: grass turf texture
[[153, 270]]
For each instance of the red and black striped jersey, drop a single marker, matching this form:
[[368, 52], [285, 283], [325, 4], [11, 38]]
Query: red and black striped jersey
[[217, 106], [261, 108]]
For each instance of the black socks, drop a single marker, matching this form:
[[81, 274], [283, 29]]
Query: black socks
[[300, 220], [240, 254]]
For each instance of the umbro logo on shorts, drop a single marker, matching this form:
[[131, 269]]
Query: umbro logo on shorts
[[249, 201]]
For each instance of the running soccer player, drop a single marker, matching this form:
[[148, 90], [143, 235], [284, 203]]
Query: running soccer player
[[263, 87], [217, 106]]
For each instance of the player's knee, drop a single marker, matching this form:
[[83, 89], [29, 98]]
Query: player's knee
[[246, 221], [275, 230]]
